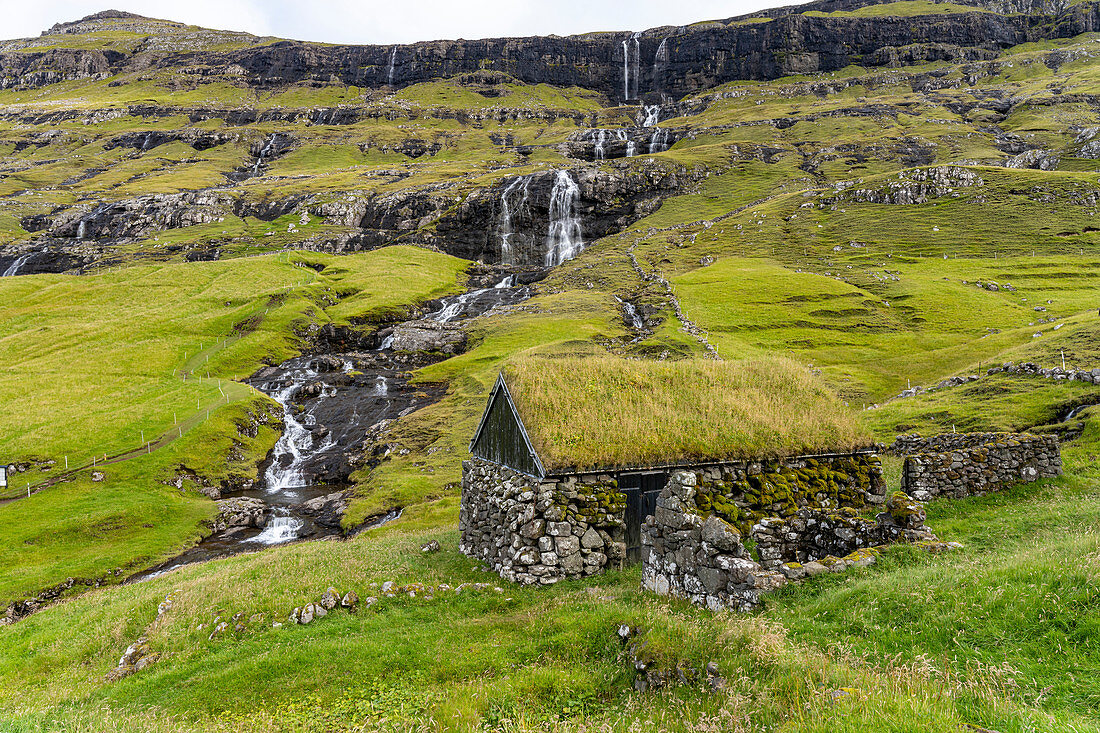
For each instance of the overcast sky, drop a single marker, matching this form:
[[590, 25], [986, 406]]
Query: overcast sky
[[387, 21]]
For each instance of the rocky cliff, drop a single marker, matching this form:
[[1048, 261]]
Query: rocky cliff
[[655, 64]]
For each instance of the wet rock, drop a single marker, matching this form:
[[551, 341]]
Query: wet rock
[[239, 511], [446, 338], [326, 510]]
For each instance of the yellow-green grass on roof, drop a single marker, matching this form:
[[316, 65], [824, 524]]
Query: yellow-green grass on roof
[[584, 413]]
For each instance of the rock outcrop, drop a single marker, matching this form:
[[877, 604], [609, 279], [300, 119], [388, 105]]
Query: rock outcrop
[[652, 64]]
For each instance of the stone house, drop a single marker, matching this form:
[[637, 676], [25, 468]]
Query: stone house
[[536, 518]]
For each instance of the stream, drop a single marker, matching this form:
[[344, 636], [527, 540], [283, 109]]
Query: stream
[[330, 402]]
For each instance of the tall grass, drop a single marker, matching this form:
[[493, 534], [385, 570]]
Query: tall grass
[[604, 411]]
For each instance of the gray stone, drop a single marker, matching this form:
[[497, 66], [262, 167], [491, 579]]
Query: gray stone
[[591, 539]]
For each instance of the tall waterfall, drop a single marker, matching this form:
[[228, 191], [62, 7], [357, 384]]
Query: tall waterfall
[[506, 227], [389, 68], [626, 70], [632, 60], [661, 57], [80, 229], [564, 240]]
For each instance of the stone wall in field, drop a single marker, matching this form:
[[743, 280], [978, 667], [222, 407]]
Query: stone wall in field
[[814, 535], [702, 560], [966, 464]]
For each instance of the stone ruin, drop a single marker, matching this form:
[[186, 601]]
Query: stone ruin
[[704, 560]]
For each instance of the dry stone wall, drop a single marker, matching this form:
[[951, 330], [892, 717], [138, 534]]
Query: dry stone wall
[[973, 463], [541, 531], [812, 535], [702, 560], [744, 493]]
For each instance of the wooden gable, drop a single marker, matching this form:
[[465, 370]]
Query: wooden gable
[[501, 437]]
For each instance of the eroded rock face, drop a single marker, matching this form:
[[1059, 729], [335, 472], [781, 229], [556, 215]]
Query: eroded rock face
[[663, 61]]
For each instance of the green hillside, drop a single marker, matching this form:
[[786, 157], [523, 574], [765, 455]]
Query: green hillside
[[870, 230]]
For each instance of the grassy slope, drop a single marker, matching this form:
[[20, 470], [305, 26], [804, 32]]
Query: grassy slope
[[127, 338], [915, 643]]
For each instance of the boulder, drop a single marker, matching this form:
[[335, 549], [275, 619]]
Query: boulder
[[446, 338], [239, 511], [330, 598]]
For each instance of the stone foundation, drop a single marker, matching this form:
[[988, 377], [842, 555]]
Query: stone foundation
[[540, 531], [973, 463], [532, 530]]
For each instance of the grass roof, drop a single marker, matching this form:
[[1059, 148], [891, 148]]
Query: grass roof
[[602, 412]]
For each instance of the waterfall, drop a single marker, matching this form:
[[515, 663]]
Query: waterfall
[[389, 69], [80, 229], [266, 149], [452, 310], [659, 142], [660, 62], [661, 57], [505, 229], [636, 63], [599, 150], [563, 240], [651, 115], [13, 269], [280, 527], [632, 60], [145, 142], [296, 441], [508, 282], [630, 314], [381, 387], [626, 70]]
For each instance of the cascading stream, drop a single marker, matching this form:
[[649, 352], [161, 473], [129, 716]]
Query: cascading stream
[[505, 229], [13, 268], [564, 240], [263, 152]]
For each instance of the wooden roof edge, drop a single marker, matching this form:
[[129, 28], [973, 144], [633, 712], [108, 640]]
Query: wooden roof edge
[[502, 386]]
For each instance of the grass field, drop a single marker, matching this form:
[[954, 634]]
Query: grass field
[[777, 246]]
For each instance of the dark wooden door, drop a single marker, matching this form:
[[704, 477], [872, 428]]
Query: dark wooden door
[[642, 490]]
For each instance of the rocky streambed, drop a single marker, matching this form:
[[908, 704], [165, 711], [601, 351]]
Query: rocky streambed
[[335, 405]]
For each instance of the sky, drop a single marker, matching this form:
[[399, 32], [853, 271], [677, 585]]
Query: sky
[[387, 21]]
